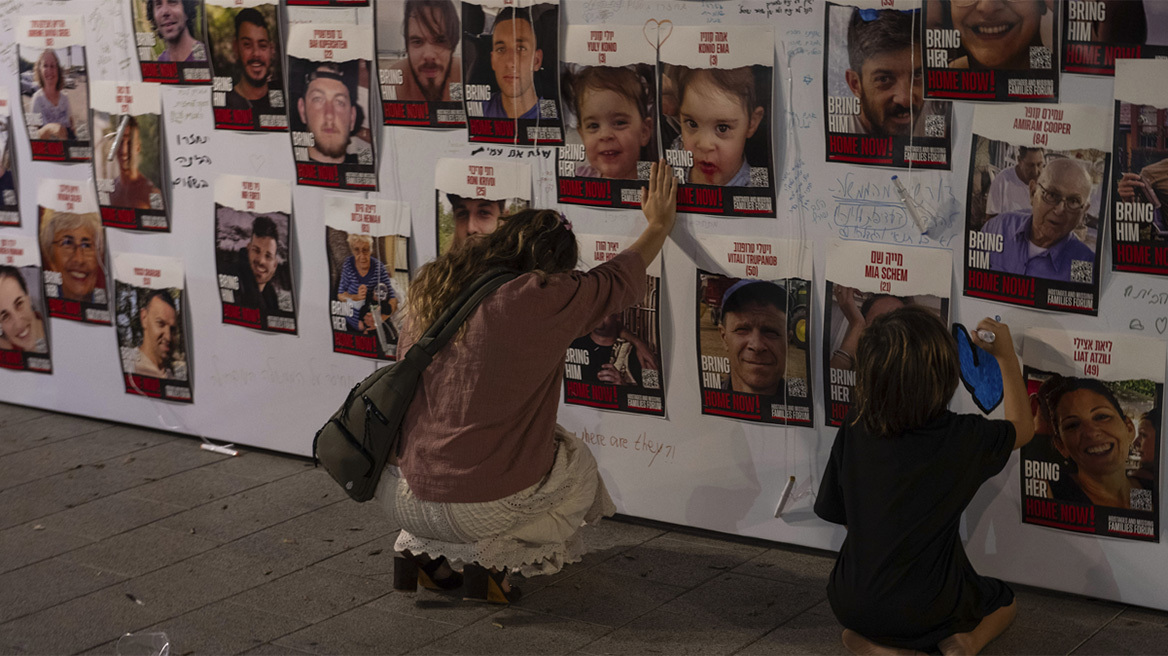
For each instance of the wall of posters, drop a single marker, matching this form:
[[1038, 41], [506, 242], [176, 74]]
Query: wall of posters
[[752, 315], [327, 3], [716, 118], [1032, 233], [1098, 33], [1092, 466], [617, 366], [865, 281], [248, 86], [1139, 227], [24, 322], [9, 208], [419, 63], [369, 272], [994, 52], [172, 41], [510, 53], [127, 128], [329, 73], [253, 252], [51, 57], [152, 337], [471, 195], [72, 242], [873, 89]]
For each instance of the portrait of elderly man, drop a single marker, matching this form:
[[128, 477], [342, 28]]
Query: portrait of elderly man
[[256, 267], [1039, 241], [885, 73], [753, 328], [73, 246], [175, 21], [254, 49], [159, 319], [1010, 190], [515, 57], [131, 188], [329, 109], [431, 30]]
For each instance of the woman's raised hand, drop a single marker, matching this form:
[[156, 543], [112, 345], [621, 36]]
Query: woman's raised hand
[[659, 201]]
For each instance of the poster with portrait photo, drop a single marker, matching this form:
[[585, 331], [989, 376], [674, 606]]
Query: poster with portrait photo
[[1139, 185], [1099, 33], [716, 118], [419, 63], [171, 37], [995, 52], [24, 321], [253, 253], [72, 241], [510, 52], [617, 366], [127, 129], [327, 3], [1036, 192], [54, 87], [1093, 465], [329, 73], [873, 89], [9, 206], [864, 281], [471, 195], [609, 84], [369, 273], [247, 89], [150, 324], [753, 322]]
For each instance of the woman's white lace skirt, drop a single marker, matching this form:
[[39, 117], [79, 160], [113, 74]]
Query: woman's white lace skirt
[[534, 531]]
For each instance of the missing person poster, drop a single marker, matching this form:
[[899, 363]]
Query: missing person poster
[[992, 51], [471, 195], [72, 242], [1139, 227], [369, 273], [127, 128], [172, 41], [9, 207], [716, 117], [247, 91], [753, 316], [864, 281], [148, 297], [253, 254], [873, 89], [1093, 465], [609, 80], [617, 366], [1036, 189], [329, 69], [327, 3], [1099, 33], [54, 87], [510, 55], [24, 322], [419, 63]]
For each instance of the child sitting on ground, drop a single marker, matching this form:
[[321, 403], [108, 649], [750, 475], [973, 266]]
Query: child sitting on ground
[[614, 123], [902, 470]]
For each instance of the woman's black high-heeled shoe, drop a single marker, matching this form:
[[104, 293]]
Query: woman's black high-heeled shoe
[[409, 571], [484, 585]]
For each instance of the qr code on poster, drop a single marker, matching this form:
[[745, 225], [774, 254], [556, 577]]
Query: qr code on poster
[[759, 177], [651, 380], [935, 125], [797, 388], [1081, 271], [1039, 57], [1141, 499]]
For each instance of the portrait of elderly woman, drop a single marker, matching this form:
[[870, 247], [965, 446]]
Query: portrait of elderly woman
[[22, 328], [1094, 436], [365, 285], [73, 246]]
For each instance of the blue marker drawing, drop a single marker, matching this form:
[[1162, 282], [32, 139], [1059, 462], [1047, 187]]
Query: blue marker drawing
[[979, 371]]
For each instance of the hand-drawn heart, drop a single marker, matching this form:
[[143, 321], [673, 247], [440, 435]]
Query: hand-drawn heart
[[257, 161], [1161, 324], [653, 29], [1135, 324], [979, 371]]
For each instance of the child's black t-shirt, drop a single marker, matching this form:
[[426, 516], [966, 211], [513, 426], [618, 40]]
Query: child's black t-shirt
[[902, 577]]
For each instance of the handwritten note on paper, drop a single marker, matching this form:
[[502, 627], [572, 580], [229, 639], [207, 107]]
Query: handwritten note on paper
[[872, 211]]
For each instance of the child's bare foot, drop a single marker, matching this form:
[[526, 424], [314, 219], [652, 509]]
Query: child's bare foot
[[861, 646], [958, 644]]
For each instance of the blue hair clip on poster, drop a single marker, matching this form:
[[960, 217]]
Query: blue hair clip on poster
[[979, 371]]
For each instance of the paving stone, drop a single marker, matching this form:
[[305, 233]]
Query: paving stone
[[312, 595], [435, 606], [27, 432], [1127, 636], [662, 631], [365, 630], [601, 595], [1148, 615], [264, 466], [62, 455], [108, 516], [1063, 614], [752, 604], [806, 633], [224, 629], [372, 559], [25, 544], [79, 624], [185, 586], [683, 559], [1023, 640], [141, 550], [516, 631], [270, 649], [790, 564], [194, 487], [11, 415], [47, 583]]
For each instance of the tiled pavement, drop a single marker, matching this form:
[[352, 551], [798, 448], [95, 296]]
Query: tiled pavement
[[107, 529]]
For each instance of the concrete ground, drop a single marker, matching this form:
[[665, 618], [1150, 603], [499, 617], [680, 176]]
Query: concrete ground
[[107, 529]]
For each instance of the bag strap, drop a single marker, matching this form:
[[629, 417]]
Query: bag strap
[[448, 323]]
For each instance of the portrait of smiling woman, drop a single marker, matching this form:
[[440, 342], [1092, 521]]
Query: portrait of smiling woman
[[22, 327], [999, 35]]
